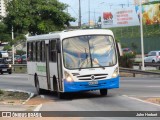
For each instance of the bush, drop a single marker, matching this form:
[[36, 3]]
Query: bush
[[7, 48], [127, 60], [20, 52], [1, 92]]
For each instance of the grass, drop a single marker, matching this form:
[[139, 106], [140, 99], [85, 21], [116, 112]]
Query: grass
[[154, 71], [13, 95], [19, 70]]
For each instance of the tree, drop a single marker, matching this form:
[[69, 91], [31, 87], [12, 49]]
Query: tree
[[4, 34], [36, 16], [99, 19]]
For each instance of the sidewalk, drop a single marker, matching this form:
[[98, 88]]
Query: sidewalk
[[11, 107]]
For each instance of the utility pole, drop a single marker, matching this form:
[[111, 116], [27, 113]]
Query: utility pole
[[95, 23], [79, 23], [141, 27], [122, 5], [12, 46], [89, 13], [110, 6]]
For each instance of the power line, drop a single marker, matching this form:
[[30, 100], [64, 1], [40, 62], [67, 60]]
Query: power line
[[73, 11]]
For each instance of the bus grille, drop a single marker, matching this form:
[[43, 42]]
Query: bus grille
[[92, 77]]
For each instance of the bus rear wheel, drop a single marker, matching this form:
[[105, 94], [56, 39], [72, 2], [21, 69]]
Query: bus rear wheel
[[103, 92], [39, 90]]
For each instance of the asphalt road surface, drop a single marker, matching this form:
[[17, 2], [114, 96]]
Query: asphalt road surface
[[16, 82], [126, 98]]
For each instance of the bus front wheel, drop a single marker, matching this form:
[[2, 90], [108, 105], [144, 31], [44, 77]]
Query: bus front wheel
[[103, 92], [62, 95]]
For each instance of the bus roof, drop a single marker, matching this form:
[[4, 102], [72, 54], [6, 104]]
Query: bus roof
[[67, 34]]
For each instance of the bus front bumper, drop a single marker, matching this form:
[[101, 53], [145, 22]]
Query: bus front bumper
[[85, 86]]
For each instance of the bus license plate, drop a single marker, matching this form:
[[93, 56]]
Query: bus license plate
[[93, 83]]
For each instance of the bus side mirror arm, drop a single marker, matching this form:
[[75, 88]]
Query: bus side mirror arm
[[119, 49]]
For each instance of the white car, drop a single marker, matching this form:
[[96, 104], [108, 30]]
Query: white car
[[4, 54], [153, 56]]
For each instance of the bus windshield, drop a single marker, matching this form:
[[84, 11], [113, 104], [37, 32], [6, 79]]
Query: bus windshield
[[89, 52]]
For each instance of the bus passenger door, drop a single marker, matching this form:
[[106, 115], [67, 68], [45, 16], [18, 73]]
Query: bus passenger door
[[59, 65], [47, 64]]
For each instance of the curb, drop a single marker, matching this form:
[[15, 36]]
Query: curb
[[134, 98]]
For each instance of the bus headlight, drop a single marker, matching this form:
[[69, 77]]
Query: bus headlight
[[68, 77], [115, 73], [9, 66]]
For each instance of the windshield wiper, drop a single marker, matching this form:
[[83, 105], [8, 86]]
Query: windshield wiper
[[96, 61]]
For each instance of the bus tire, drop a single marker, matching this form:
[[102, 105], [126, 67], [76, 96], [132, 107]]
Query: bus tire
[[39, 90], [61, 95], [55, 86], [9, 72], [103, 92], [67, 96]]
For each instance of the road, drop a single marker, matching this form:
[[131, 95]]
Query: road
[[126, 98], [16, 82]]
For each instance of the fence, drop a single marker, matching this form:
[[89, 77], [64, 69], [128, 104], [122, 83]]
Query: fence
[[19, 68], [157, 65], [22, 68]]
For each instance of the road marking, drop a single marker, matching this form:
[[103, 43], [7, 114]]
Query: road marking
[[153, 86], [42, 96], [141, 100], [38, 107], [15, 76], [31, 95]]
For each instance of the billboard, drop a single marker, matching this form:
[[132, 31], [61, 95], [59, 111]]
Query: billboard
[[130, 16], [120, 17], [151, 14]]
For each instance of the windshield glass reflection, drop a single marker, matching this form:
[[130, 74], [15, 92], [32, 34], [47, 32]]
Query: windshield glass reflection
[[89, 51]]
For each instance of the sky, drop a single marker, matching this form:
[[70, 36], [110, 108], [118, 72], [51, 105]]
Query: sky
[[97, 7]]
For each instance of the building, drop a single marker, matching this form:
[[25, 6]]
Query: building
[[2, 8]]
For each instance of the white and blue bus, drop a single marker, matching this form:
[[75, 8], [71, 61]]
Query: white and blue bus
[[73, 61]]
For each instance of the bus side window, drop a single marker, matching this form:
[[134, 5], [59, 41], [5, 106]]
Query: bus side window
[[34, 51], [28, 54], [29, 51], [43, 52], [40, 47], [52, 50], [38, 51]]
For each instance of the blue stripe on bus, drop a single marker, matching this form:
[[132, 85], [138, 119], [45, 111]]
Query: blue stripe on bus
[[84, 86]]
